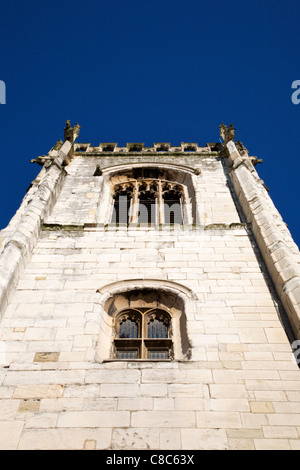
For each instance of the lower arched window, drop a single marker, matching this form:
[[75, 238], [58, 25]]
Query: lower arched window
[[143, 334]]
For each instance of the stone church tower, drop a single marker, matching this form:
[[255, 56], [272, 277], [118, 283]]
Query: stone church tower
[[149, 299]]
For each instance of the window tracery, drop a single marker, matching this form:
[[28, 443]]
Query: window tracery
[[143, 334], [148, 201], [144, 312]]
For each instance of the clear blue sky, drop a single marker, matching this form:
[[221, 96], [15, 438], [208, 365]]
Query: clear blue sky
[[151, 71]]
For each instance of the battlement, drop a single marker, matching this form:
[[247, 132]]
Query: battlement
[[134, 149], [139, 147]]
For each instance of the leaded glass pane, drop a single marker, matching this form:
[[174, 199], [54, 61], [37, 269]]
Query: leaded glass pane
[[127, 353], [128, 329], [157, 329], [158, 354]]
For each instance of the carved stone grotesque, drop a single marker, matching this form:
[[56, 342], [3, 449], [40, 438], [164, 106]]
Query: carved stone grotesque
[[76, 130], [68, 131], [227, 133], [71, 133], [241, 147]]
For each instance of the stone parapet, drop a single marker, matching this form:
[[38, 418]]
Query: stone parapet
[[160, 147]]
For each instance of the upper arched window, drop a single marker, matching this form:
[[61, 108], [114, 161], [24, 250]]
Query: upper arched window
[[143, 334], [148, 201], [148, 196]]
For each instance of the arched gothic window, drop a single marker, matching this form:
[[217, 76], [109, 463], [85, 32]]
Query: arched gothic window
[[143, 334], [148, 201], [122, 200], [144, 323], [172, 198]]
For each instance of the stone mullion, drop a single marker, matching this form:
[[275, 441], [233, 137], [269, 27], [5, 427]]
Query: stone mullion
[[186, 207], [134, 208], [160, 201]]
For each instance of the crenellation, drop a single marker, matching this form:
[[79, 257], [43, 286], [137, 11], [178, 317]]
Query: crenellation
[[140, 147]]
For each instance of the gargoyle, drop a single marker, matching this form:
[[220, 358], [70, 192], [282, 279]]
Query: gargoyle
[[71, 133], [241, 147]]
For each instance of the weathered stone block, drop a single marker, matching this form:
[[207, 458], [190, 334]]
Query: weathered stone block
[[46, 357], [204, 439], [10, 432], [64, 439], [38, 391], [157, 419], [93, 419], [129, 439]]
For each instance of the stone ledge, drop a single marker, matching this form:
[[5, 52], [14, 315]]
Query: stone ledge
[[59, 227], [142, 227]]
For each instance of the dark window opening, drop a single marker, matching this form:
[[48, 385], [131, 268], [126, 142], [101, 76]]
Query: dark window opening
[[143, 334], [147, 208], [148, 202], [121, 208], [173, 207], [173, 212]]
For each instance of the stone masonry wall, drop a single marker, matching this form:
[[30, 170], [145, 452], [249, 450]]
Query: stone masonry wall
[[78, 201], [239, 389]]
